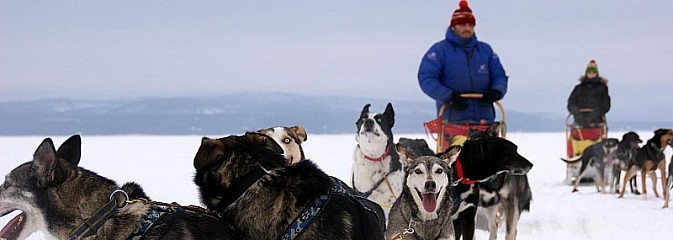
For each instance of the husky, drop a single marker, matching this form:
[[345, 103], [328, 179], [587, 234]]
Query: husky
[[485, 164], [377, 169], [669, 181], [626, 151], [648, 159], [246, 180], [65, 201], [290, 139], [601, 156], [509, 195], [423, 210], [506, 195], [418, 147]]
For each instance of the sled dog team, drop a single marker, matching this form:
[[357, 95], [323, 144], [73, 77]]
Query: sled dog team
[[259, 185], [612, 156]]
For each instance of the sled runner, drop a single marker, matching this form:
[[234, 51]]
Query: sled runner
[[447, 133], [578, 139]]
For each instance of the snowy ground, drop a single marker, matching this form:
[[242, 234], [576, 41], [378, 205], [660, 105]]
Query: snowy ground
[[163, 166]]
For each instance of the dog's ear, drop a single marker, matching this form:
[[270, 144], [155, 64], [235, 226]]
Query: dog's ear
[[210, 151], [71, 150], [44, 163], [365, 110], [264, 141], [450, 155], [390, 114], [660, 131], [301, 133], [405, 153], [265, 131]]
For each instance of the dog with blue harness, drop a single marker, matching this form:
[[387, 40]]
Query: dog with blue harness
[[246, 180]]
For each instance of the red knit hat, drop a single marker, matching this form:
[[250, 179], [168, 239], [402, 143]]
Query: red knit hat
[[462, 15]]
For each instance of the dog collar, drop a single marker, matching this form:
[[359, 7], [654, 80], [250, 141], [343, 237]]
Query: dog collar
[[461, 176], [239, 186], [383, 156]]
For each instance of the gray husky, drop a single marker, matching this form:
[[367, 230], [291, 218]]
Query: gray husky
[[423, 210], [601, 156], [65, 201]]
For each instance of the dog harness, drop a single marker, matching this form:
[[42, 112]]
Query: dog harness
[[310, 212], [155, 213], [380, 181], [461, 176], [91, 225]]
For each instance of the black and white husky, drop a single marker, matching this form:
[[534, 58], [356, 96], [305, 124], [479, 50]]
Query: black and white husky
[[423, 211], [377, 169]]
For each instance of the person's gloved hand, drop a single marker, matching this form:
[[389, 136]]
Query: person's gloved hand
[[459, 103], [490, 96]]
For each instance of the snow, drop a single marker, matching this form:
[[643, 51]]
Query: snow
[[163, 166]]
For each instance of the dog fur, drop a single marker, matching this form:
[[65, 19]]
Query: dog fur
[[290, 139], [377, 169], [669, 184], [626, 151], [56, 196], [648, 159], [415, 147], [508, 195], [423, 210], [488, 161], [599, 155], [246, 180]]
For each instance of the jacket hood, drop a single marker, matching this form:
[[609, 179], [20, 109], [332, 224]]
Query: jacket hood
[[600, 80], [456, 40]]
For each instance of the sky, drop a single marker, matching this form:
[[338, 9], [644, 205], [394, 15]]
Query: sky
[[555, 213], [101, 50]]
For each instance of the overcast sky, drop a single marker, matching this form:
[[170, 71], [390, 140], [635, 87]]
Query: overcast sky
[[127, 49]]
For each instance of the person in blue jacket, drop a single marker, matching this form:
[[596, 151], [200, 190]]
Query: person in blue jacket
[[462, 64]]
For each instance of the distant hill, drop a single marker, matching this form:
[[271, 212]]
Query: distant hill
[[235, 113]]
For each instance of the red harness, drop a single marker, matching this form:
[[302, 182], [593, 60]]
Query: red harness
[[459, 172], [383, 156]]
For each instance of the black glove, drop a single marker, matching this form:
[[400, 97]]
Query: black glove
[[490, 96], [458, 102]]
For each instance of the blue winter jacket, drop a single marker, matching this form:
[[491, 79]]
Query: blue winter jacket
[[448, 68]]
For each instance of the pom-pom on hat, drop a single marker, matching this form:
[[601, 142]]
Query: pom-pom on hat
[[591, 67], [462, 15]]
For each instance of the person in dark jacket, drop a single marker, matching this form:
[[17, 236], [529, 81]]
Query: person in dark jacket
[[589, 100], [461, 64]]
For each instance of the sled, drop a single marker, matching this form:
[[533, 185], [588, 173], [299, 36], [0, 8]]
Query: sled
[[442, 131], [578, 139]]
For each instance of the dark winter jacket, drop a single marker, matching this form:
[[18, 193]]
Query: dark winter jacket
[[592, 94], [455, 65]]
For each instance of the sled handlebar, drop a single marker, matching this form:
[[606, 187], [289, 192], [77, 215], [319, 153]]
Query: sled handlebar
[[472, 95]]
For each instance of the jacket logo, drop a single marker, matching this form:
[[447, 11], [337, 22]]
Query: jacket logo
[[432, 56], [482, 69]]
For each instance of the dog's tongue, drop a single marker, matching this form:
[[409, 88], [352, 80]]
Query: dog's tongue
[[13, 227], [429, 202]]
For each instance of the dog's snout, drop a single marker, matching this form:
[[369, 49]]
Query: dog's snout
[[369, 124], [430, 185]]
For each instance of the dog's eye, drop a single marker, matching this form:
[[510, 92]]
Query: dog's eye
[[418, 171], [287, 140], [378, 120], [439, 171]]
